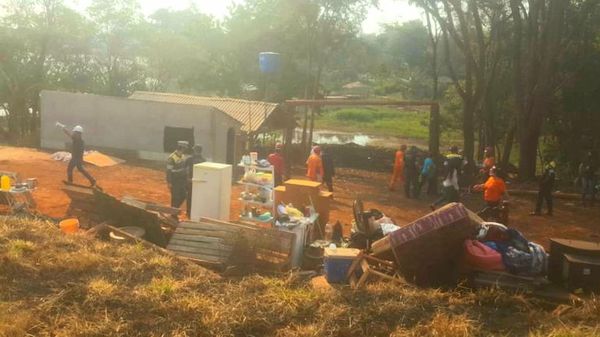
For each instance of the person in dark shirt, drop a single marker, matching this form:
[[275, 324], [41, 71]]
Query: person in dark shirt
[[195, 158], [411, 173], [545, 189], [177, 173], [328, 168], [77, 150]]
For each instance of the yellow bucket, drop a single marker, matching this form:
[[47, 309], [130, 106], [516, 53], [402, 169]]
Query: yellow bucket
[[69, 226], [5, 183]]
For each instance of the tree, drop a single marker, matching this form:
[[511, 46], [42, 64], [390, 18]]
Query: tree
[[466, 24], [541, 38]]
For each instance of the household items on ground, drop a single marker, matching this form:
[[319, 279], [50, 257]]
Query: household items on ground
[[16, 194]]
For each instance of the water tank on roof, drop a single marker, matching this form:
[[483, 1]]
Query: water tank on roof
[[269, 62]]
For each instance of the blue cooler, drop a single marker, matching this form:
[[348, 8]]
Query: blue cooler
[[337, 262]]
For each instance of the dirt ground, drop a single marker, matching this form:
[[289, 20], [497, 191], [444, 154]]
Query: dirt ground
[[570, 221]]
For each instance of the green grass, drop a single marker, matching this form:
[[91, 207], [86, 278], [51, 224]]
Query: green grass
[[381, 121]]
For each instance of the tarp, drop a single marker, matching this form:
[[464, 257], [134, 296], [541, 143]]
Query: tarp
[[92, 157]]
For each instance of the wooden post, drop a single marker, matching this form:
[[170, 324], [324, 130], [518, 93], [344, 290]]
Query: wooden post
[[434, 130]]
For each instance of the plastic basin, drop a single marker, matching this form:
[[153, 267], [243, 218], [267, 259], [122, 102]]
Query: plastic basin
[[69, 226]]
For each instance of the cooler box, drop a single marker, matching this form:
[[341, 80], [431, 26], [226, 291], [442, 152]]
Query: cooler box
[[337, 262]]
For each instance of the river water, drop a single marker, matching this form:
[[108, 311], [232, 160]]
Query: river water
[[337, 137]]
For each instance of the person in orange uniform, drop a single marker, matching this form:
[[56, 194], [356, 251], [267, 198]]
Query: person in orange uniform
[[314, 165], [398, 173], [493, 189], [277, 160]]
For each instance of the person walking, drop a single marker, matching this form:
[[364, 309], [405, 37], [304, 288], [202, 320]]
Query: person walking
[[546, 187], [398, 172], [452, 166], [428, 176], [587, 171], [277, 160], [77, 150], [195, 158], [328, 168], [314, 165], [177, 174], [411, 173]]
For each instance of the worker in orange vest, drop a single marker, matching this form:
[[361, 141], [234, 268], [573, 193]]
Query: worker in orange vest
[[398, 173], [314, 165]]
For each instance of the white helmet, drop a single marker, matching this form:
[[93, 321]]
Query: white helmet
[[78, 128]]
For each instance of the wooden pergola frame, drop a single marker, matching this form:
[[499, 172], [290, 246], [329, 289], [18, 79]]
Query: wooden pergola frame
[[434, 114]]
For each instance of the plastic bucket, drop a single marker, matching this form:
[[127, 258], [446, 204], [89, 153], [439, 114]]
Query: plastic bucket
[[69, 226]]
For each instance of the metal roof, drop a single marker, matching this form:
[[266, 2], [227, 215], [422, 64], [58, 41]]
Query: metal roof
[[252, 114]]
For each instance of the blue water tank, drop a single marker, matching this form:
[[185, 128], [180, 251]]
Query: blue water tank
[[269, 62]]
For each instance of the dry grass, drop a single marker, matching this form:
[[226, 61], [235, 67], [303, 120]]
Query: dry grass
[[57, 285]]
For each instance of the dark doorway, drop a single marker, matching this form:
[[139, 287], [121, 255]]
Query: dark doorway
[[231, 146], [172, 135]]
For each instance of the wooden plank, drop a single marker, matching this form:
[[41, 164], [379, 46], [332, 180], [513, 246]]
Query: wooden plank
[[196, 238], [206, 232], [204, 225], [200, 250], [201, 257], [200, 245], [207, 247], [229, 224], [150, 206]]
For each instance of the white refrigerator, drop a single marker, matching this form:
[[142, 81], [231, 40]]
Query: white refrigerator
[[211, 191]]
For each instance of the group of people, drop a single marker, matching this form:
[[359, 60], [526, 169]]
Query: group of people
[[413, 172], [180, 170], [411, 168], [319, 166]]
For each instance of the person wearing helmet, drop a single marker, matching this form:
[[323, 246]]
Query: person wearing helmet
[[77, 150], [277, 160], [195, 158], [177, 173], [493, 189], [545, 189], [314, 165]]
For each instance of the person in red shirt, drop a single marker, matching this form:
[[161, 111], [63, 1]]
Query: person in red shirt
[[278, 161], [398, 173], [314, 165]]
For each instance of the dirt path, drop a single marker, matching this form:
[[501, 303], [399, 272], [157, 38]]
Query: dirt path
[[570, 221]]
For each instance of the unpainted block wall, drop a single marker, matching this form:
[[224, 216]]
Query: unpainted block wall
[[134, 125]]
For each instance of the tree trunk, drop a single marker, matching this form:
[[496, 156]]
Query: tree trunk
[[469, 134], [508, 145], [434, 130]]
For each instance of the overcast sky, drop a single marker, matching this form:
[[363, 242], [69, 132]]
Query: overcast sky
[[389, 11]]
